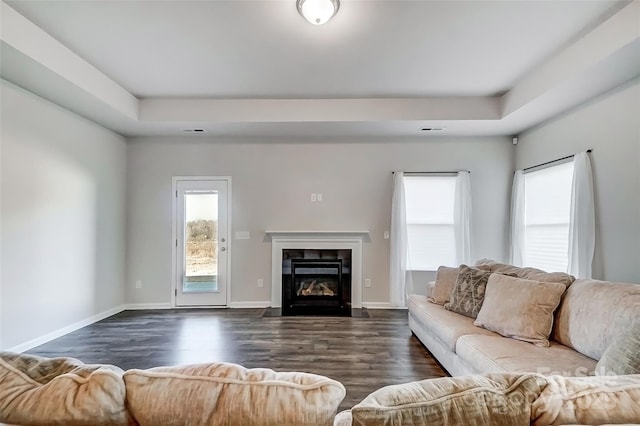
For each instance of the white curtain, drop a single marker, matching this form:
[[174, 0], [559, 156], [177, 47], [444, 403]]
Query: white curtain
[[582, 228], [462, 219], [517, 220], [400, 276]]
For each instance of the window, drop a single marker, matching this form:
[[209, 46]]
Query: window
[[430, 229], [547, 207]]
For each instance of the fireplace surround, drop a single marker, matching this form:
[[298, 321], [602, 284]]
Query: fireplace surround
[[316, 240]]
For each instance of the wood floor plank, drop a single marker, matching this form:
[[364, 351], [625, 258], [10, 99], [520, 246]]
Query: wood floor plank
[[363, 353]]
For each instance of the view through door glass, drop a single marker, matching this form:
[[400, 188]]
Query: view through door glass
[[201, 243], [202, 246]]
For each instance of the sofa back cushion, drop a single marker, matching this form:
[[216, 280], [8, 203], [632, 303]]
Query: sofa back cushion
[[592, 400], [500, 399], [228, 394], [526, 273], [593, 313], [60, 391]]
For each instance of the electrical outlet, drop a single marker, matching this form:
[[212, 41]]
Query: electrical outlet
[[367, 282], [260, 282], [138, 283], [314, 197], [319, 196], [386, 235]]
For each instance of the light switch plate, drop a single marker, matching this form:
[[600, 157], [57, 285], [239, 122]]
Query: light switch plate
[[242, 235]]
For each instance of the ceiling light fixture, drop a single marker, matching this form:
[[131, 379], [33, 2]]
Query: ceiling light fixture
[[318, 12]]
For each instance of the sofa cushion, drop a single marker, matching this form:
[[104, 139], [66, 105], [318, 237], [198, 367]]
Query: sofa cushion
[[467, 294], [466, 400], [588, 401], [343, 418], [519, 308], [445, 280], [594, 313], [61, 391], [495, 354], [447, 326], [228, 394], [622, 357], [527, 273]]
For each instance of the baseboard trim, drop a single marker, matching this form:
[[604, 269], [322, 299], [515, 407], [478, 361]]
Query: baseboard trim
[[245, 305], [380, 305], [30, 344], [144, 306]]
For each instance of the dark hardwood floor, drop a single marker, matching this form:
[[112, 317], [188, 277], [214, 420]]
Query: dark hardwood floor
[[362, 353]]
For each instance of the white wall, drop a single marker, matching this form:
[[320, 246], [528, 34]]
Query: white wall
[[63, 218], [611, 126], [272, 184]]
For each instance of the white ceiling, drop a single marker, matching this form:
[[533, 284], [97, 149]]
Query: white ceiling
[[263, 49]]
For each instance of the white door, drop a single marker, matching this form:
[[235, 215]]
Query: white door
[[202, 242]]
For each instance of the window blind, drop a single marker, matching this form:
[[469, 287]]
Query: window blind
[[430, 230]]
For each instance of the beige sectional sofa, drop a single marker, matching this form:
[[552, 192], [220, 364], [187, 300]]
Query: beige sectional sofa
[[38, 391], [65, 391], [590, 316], [497, 380]]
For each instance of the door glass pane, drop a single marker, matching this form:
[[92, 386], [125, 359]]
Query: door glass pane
[[201, 243]]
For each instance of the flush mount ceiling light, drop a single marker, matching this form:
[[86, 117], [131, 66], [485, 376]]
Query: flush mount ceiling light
[[318, 12]]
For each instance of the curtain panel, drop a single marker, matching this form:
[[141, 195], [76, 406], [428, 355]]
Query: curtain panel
[[462, 215], [516, 252], [400, 281], [582, 228]]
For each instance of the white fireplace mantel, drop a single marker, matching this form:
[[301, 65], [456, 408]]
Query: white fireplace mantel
[[305, 234], [328, 240]]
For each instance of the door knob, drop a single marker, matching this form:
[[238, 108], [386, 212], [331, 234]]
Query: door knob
[[222, 240], [223, 248]]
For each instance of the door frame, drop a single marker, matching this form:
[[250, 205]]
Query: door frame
[[174, 237]]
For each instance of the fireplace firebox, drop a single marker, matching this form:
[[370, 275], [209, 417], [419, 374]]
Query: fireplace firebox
[[316, 282]]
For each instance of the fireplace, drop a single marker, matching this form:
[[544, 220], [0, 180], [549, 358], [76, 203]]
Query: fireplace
[[316, 282], [316, 240]]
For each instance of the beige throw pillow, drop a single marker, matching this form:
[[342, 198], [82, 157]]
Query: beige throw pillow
[[228, 394], [60, 391], [520, 309], [445, 280], [467, 294]]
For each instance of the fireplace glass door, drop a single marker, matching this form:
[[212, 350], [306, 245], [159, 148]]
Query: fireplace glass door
[[316, 278]]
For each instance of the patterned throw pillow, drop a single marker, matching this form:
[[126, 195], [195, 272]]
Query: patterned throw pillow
[[622, 357], [468, 292]]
